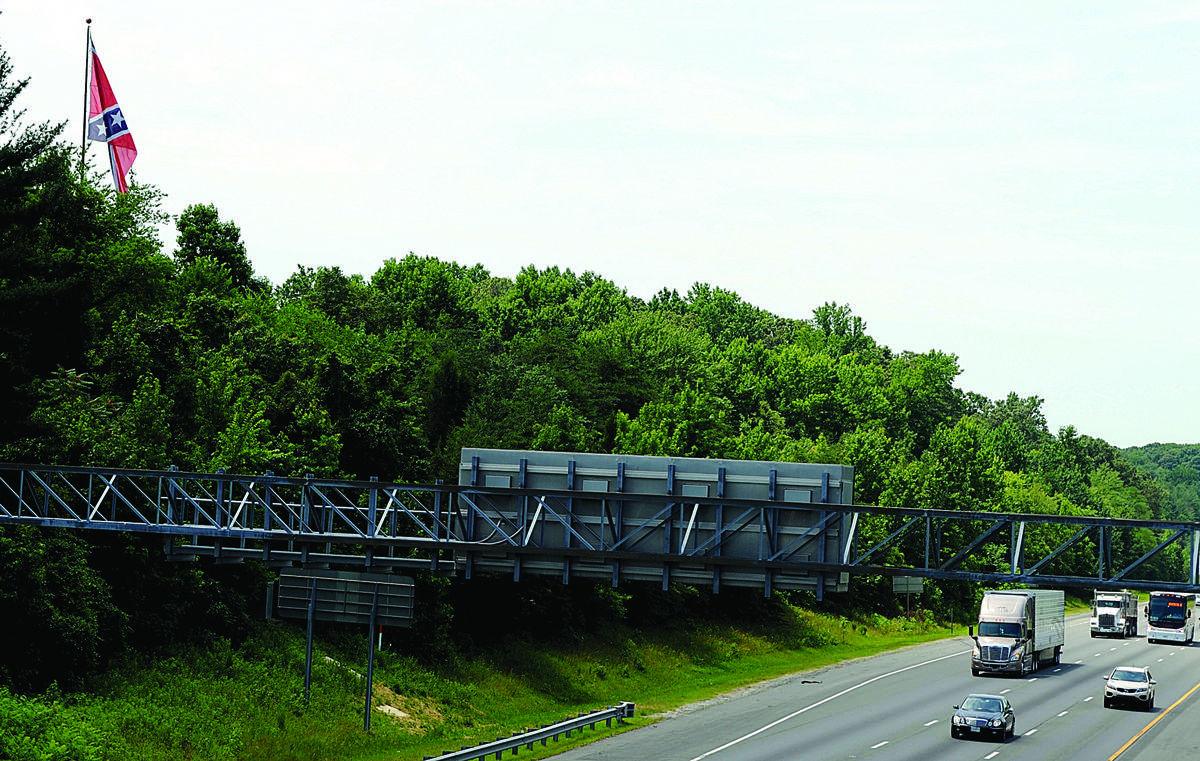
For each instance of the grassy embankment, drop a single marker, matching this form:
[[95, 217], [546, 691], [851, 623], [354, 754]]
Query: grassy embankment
[[245, 703]]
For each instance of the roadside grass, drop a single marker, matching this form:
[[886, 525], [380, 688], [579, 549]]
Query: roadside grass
[[246, 702]]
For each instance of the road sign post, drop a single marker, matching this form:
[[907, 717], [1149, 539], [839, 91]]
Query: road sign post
[[370, 658], [312, 607]]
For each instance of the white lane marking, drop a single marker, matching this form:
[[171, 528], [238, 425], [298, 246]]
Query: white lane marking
[[1034, 679], [993, 754], [822, 702], [1111, 649], [1095, 655], [1125, 645], [1030, 732], [1079, 661], [1160, 660], [879, 745], [1170, 654], [930, 723], [1057, 670], [1005, 692], [1064, 713], [1089, 697]]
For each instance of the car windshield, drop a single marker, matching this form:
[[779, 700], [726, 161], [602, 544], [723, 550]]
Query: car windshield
[[976, 703], [997, 629], [1129, 675]]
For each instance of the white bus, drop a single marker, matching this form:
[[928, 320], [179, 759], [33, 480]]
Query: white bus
[[1170, 617]]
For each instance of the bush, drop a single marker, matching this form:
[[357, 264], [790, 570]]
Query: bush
[[33, 729]]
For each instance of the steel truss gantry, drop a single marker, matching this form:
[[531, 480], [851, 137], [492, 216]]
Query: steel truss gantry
[[311, 521]]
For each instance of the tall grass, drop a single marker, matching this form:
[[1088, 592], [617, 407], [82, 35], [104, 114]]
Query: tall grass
[[246, 703]]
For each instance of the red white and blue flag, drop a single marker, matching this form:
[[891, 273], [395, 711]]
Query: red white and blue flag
[[106, 123]]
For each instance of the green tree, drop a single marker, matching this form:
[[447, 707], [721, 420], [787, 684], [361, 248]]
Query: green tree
[[202, 233]]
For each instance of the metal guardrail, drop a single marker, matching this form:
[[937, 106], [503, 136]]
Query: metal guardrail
[[549, 732]]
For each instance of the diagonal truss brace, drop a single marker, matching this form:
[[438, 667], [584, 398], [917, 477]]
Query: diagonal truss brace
[[1157, 549], [888, 540], [965, 551]]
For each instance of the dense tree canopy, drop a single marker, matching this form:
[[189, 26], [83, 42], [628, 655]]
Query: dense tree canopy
[[115, 351]]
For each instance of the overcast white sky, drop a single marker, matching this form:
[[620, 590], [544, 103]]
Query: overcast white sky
[[1016, 183]]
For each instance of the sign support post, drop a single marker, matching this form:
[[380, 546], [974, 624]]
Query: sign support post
[[312, 607], [370, 659]]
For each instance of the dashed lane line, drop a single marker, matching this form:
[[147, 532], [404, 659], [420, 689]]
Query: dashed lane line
[[993, 754], [1089, 697], [1005, 692], [1064, 713], [879, 745], [1031, 732], [930, 723], [1148, 727], [822, 702]]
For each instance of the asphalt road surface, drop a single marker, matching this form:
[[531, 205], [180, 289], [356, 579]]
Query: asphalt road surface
[[897, 707]]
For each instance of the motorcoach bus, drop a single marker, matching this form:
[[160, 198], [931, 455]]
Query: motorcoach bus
[[1170, 617]]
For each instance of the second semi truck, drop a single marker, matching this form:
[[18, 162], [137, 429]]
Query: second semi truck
[[1114, 613], [1019, 631]]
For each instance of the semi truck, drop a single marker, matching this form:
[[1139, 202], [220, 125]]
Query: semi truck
[[1019, 631], [1114, 613]]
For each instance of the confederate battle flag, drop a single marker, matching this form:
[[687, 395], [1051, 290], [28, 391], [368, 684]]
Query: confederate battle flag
[[106, 123]]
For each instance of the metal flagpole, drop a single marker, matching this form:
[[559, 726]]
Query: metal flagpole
[[87, 67]]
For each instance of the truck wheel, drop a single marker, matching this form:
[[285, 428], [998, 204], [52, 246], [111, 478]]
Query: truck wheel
[[1057, 655], [974, 672], [1093, 635], [1107, 703]]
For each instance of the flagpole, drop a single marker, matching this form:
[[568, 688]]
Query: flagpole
[[87, 65]]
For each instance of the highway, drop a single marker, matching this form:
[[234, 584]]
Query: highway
[[897, 707]]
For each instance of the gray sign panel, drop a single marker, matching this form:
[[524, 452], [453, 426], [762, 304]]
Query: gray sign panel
[[346, 596], [907, 584]]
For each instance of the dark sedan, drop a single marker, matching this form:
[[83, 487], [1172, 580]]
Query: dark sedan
[[980, 715]]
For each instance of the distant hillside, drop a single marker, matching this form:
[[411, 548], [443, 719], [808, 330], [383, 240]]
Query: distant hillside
[[1177, 466]]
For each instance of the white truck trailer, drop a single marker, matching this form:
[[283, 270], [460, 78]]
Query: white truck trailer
[[1019, 631], [1114, 613]]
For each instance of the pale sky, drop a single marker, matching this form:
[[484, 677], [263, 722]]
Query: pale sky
[[1015, 183]]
